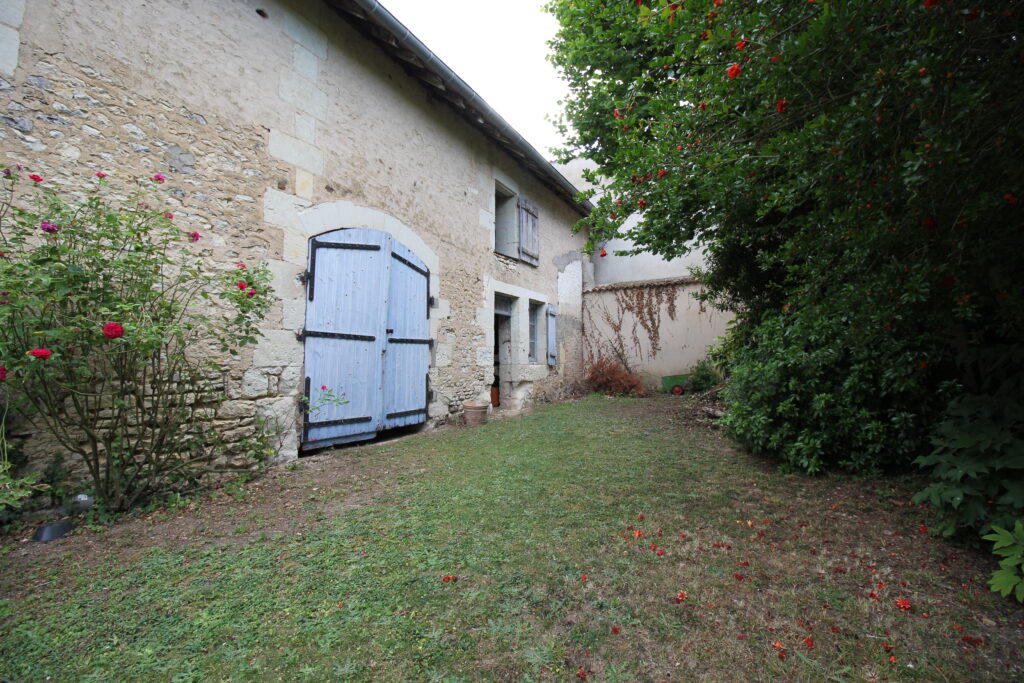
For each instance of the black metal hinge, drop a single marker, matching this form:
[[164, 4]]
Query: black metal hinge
[[333, 335]]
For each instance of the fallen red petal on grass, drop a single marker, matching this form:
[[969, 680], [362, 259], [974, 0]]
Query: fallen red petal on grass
[[742, 636], [615, 629], [583, 577], [738, 577]]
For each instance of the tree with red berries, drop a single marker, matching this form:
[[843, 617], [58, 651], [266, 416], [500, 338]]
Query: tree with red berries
[[853, 172]]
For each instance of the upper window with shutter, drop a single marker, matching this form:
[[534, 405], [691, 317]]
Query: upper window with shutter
[[529, 235], [516, 226]]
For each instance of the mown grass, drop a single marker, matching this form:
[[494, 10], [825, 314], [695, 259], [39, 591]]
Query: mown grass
[[785, 577]]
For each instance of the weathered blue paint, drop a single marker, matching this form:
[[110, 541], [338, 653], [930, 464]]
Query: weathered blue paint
[[366, 337], [407, 354], [552, 335]]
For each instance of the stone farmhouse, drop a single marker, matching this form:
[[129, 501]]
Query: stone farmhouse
[[422, 250]]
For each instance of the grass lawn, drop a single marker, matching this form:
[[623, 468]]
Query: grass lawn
[[606, 539]]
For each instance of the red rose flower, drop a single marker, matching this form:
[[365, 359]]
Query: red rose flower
[[741, 45], [35, 178], [158, 178], [603, 253], [251, 293], [616, 114], [168, 215], [193, 236], [641, 203], [41, 354], [113, 331], [242, 285], [101, 175], [781, 105], [734, 71], [3, 373], [903, 604]]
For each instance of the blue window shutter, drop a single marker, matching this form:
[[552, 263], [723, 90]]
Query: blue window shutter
[[529, 233], [552, 336]]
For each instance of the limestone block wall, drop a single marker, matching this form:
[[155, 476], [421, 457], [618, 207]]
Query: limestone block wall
[[273, 126]]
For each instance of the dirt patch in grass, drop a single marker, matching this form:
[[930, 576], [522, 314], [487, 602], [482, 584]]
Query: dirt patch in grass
[[282, 502]]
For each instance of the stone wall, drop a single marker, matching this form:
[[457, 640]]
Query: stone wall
[[655, 329], [272, 127]]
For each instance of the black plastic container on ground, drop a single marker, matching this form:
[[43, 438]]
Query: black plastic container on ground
[[51, 531]]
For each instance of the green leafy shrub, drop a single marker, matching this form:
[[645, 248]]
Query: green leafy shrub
[[703, 376], [113, 333], [806, 391], [977, 465], [1009, 545]]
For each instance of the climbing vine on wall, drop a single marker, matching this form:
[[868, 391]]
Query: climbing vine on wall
[[626, 326]]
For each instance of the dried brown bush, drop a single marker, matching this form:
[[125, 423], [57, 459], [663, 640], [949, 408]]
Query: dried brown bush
[[611, 377]]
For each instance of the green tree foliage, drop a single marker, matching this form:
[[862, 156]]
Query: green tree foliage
[[853, 172], [112, 334]]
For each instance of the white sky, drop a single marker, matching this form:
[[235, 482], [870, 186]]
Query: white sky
[[498, 49]]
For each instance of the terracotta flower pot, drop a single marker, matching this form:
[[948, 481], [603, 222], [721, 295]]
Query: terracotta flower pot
[[475, 413]]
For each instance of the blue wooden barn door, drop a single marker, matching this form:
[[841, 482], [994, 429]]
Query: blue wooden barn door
[[365, 337], [407, 351]]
